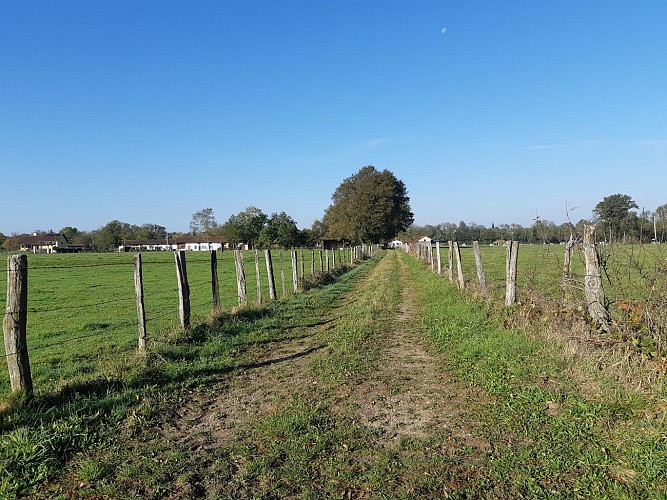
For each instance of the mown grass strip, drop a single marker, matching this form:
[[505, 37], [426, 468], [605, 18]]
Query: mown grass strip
[[549, 439]]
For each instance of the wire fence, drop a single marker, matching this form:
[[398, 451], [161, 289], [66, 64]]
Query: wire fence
[[84, 312], [633, 278]]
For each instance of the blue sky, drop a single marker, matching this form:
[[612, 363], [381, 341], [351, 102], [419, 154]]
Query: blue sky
[[147, 111]]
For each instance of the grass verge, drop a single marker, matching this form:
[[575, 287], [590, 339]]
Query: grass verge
[[549, 439]]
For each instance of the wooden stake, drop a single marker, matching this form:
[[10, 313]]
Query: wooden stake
[[593, 281], [258, 278], [451, 260], [459, 268], [295, 272], [183, 289], [510, 272], [15, 324], [215, 289], [240, 277], [480, 269], [141, 311], [282, 273], [269, 272]]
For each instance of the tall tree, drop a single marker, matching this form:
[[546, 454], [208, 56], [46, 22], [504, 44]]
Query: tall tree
[[111, 235], [614, 212], [370, 206], [245, 227], [203, 221], [69, 233], [280, 230]]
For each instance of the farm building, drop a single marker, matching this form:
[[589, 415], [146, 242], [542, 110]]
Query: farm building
[[395, 244], [188, 243], [331, 244], [43, 243]]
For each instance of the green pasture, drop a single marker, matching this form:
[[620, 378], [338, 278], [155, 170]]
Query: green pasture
[[82, 307], [629, 272]]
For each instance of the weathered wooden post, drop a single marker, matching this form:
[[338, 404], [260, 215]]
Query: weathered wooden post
[[183, 289], [282, 273], [333, 258], [269, 273], [437, 257], [303, 265], [510, 272], [450, 269], [295, 272], [312, 262], [258, 278], [567, 259], [321, 261], [15, 324], [240, 277], [480, 269], [459, 268], [141, 310], [593, 280], [430, 256], [215, 288], [326, 253]]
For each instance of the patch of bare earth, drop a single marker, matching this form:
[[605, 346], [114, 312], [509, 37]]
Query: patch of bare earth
[[259, 388], [409, 395]]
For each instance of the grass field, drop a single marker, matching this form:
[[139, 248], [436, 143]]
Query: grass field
[[287, 400], [82, 307], [632, 275]]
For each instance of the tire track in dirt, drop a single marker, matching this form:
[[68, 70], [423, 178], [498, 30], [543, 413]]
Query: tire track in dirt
[[408, 395]]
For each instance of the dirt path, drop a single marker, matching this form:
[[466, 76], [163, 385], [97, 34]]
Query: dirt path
[[408, 395], [405, 396]]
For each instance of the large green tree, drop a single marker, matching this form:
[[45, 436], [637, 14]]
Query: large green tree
[[615, 215], [371, 206], [280, 230], [245, 227]]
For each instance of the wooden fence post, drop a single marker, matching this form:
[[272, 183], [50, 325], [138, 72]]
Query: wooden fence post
[[258, 278], [321, 261], [303, 265], [312, 263], [593, 280], [282, 273], [450, 269], [480, 269], [240, 277], [333, 258], [183, 289], [215, 288], [432, 257], [567, 259], [459, 267], [510, 272], [141, 310], [295, 272], [15, 324], [326, 253], [437, 257], [269, 272]]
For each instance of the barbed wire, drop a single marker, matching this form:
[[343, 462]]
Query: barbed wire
[[80, 306]]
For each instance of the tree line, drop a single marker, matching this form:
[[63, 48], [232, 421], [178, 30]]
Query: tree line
[[614, 217], [373, 206]]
